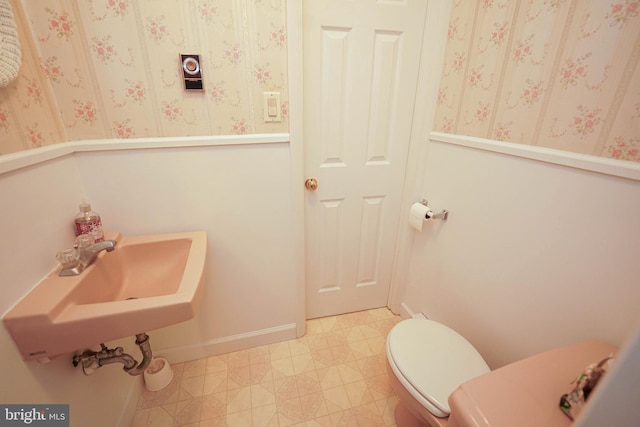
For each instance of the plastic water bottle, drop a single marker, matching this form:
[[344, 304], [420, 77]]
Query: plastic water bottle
[[88, 222]]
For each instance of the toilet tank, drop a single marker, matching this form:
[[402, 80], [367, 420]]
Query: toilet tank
[[525, 393]]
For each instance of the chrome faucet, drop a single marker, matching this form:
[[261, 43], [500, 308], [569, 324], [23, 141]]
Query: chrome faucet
[[87, 256]]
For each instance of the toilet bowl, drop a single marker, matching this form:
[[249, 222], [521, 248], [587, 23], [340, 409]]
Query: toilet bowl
[[427, 362], [442, 381]]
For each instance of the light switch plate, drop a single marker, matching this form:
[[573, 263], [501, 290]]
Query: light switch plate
[[271, 107]]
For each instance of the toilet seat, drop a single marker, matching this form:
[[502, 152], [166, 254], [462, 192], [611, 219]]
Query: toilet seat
[[431, 361]]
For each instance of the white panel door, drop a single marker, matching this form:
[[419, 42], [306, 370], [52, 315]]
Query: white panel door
[[361, 63]]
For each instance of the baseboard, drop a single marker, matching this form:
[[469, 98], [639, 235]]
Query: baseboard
[[229, 344], [405, 311]]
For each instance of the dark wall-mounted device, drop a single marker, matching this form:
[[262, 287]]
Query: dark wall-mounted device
[[191, 71]]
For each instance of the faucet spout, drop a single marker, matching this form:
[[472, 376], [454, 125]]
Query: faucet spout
[[90, 253], [87, 256]]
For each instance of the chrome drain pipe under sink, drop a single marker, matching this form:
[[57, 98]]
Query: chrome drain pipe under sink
[[92, 360]]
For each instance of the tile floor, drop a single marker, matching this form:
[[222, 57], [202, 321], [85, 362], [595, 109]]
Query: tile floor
[[333, 376]]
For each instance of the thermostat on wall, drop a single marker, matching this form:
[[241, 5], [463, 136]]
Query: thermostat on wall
[[191, 71]]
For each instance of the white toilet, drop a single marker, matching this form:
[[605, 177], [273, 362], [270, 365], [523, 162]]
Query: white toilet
[[428, 361], [442, 381]]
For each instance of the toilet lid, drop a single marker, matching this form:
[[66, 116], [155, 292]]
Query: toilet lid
[[432, 360]]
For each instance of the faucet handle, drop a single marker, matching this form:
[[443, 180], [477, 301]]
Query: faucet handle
[[68, 258], [84, 240]]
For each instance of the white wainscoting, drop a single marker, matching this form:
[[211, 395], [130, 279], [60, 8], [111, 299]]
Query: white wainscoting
[[540, 248], [236, 188]]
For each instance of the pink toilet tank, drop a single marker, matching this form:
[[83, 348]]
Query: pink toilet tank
[[525, 393]]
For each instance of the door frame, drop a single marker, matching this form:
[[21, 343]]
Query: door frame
[[430, 70]]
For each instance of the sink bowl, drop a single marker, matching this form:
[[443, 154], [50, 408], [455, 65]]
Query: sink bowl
[[145, 283]]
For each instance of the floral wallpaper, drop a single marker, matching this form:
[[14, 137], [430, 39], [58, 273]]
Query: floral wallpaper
[[112, 69], [561, 74], [26, 104]]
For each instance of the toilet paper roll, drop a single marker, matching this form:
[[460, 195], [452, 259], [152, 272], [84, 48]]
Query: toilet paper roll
[[418, 214]]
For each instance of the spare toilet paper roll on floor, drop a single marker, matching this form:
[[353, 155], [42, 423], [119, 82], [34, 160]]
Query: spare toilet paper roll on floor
[[418, 214]]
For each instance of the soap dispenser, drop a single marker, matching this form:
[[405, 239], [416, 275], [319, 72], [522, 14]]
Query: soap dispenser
[[88, 222]]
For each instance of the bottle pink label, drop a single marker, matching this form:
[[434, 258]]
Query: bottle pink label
[[92, 227]]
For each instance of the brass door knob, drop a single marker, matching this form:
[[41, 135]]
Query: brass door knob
[[311, 184]]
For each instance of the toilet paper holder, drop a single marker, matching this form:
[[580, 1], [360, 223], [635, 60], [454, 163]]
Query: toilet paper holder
[[444, 215]]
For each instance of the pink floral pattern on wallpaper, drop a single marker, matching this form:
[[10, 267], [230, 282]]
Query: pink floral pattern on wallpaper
[[60, 24], [279, 37], [123, 129], [262, 73], [85, 111], [100, 10], [118, 7], [502, 132], [171, 110], [4, 119], [218, 92], [523, 50], [34, 136], [33, 91], [232, 54], [532, 92], [621, 12], [113, 70], [586, 120], [52, 69], [103, 48], [625, 149], [136, 91], [208, 11], [239, 127], [505, 78], [157, 29]]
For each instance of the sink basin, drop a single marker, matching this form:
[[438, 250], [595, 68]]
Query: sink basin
[[145, 283]]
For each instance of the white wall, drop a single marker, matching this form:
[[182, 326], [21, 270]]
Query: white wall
[[238, 191], [37, 204], [241, 196], [534, 254]]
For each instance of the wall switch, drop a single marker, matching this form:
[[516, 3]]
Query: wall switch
[[272, 108]]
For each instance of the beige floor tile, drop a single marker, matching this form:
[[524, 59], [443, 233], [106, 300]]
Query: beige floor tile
[[299, 346], [159, 417], [140, 418], [303, 363], [329, 377], [215, 364], [239, 400], [265, 416], [239, 419], [214, 422], [350, 372], [282, 368], [214, 383], [333, 376], [194, 368], [214, 406], [188, 411], [262, 395], [358, 393], [191, 387], [279, 351], [337, 399]]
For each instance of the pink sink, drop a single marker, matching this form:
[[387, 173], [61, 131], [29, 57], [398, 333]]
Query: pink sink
[[145, 283]]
